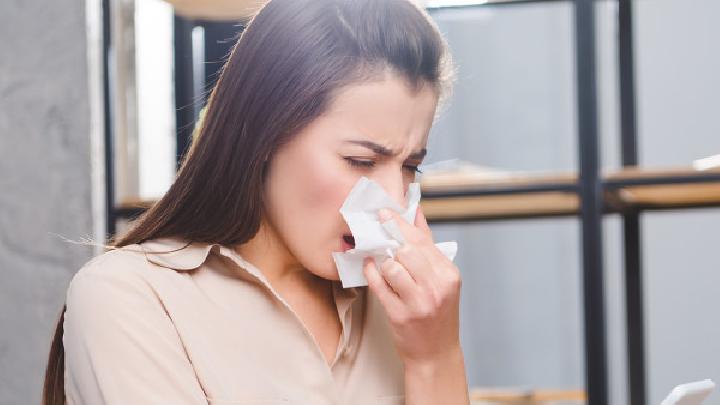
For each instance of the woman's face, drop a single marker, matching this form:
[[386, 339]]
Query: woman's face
[[377, 129]]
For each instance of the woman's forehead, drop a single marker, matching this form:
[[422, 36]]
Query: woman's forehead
[[385, 112], [388, 93]]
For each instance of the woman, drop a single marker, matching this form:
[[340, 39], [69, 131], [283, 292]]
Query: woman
[[225, 291]]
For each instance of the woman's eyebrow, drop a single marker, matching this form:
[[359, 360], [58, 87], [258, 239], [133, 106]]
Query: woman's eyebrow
[[419, 155], [383, 151], [375, 147]]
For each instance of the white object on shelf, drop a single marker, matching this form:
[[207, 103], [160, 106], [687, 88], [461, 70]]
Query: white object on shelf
[[693, 393], [709, 162]]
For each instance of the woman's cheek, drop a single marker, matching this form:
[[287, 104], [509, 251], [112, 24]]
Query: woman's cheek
[[327, 184], [328, 195]]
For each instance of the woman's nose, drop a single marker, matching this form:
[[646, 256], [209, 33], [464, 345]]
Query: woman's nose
[[394, 186]]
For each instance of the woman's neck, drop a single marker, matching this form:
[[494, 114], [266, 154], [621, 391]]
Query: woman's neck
[[270, 254], [301, 288]]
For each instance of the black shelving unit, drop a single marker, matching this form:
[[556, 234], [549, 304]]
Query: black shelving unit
[[590, 187], [219, 38]]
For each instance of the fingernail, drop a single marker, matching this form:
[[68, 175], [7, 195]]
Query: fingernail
[[384, 214]]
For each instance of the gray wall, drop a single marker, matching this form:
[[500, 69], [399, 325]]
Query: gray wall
[[514, 108], [45, 182]]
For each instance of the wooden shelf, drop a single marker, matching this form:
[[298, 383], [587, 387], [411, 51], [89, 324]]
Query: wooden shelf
[[131, 208], [625, 189], [678, 195], [497, 197], [221, 10], [667, 196], [526, 397], [500, 207], [473, 196]]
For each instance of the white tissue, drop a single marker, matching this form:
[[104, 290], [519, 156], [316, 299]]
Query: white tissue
[[373, 239]]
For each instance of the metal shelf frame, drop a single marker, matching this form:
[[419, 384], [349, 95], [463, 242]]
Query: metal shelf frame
[[590, 186]]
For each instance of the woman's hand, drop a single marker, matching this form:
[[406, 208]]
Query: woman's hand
[[420, 291]]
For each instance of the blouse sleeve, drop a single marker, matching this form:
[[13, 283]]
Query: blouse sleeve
[[121, 347]]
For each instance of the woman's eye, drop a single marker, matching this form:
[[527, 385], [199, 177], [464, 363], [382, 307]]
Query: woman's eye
[[371, 163], [413, 169], [360, 163]]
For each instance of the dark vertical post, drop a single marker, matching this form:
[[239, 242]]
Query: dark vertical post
[[628, 123], [591, 206], [634, 309], [184, 97], [631, 220], [110, 225]]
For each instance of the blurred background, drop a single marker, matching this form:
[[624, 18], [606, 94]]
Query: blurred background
[[573, 164]]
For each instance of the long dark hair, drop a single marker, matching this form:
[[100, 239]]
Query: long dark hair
[[281, 75]]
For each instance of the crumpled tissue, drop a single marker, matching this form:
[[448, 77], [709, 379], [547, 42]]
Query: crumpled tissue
[[372, 238]]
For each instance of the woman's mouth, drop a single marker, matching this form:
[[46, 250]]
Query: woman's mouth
[[348, 242]]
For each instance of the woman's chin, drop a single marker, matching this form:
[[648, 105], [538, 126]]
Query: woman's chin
[[330, 274], [327, 270]]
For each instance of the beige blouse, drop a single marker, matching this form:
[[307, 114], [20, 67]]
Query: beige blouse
[[201, 325]]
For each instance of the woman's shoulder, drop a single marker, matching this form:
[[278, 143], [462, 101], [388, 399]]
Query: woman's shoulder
[[124, 262], [108, 275], [116, 326], [143, 267], [148, 256], [132, 266]]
